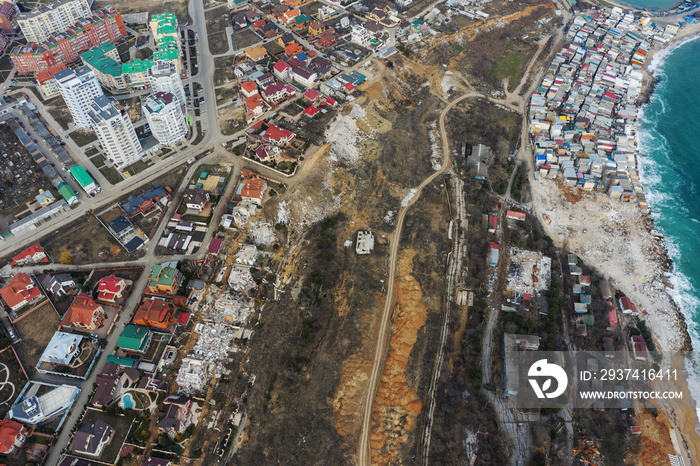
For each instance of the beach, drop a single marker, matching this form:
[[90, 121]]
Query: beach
[[621, 239]]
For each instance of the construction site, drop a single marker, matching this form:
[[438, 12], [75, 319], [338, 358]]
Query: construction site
[[528, 271]]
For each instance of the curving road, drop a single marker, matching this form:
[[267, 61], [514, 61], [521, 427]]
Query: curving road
[[364, 451]]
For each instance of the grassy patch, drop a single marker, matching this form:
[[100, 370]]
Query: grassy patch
[[92, 151], [179, 7], [294, 108], [59, 112], [87, 241], [111, 174], [509, 67], [8, 393], [83, 137], [36, 330], [225, 94], [99, 160], [199, 136], [144, 53], [222, 70], [136, 167], [244, 38], [273, 48], [121, 426], [216, 30]]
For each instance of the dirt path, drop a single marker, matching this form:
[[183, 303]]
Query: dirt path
[[364, 451]]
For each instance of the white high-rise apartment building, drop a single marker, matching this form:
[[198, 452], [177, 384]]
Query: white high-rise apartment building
[[78, 88], [115, 132], [58, 16], [165, 116], [163, 77]]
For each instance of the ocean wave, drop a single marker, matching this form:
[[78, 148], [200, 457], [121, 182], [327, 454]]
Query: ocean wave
[[663, 182], [660, 57], [684, 295]]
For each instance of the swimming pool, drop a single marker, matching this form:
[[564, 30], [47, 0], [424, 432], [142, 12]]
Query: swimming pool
[[127, 401]]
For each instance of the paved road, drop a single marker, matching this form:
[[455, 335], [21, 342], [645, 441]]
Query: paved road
[[205, 78], [86, 386], [48, 154]]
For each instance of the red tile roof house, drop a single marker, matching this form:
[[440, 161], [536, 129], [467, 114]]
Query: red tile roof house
[[277, 135], [292, 50], [34, 254], [311, 111], [311, 95], [327, 39], [639, 347], [84, 314], [282, 70], [248, 88], [254, 190], [513, 215], [12, 436], [627, 306], [19, 291], [277, 92], [254, 106], [289, 15], [111, 288]]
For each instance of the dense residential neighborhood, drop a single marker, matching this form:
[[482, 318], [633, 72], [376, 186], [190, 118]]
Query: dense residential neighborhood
[[253, 232]]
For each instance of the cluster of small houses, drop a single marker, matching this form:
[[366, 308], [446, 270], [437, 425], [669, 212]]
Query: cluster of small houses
[[264, 88], [583, 116], [583, 319], [313, 52], [128, 373], [143, 347]]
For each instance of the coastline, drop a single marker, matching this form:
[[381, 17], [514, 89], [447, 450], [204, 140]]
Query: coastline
[[685, 423], [619, 240], [655, 59]]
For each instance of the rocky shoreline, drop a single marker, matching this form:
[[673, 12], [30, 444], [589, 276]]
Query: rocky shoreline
[[649, 85]]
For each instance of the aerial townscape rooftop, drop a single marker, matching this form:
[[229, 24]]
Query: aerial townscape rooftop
[[349, 232]]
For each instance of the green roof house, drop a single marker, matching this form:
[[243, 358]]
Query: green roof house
[[106, 65], [164, 279], [302, 20], [121, 360], [135, 339], [67, 192], [83, 178]]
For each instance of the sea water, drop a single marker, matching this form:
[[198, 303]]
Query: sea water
[[654, 5], [669, 163]]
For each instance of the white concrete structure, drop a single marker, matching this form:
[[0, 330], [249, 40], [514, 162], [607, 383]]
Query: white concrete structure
[[163, 77], [359, 35], [62, 348], [166, 117], [35, 410], [365, 242], [115, 132], [192, 376], [78, 88], [58, 16], [247, 255]]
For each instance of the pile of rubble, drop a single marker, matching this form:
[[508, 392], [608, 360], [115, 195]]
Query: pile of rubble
[[529, 271]]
